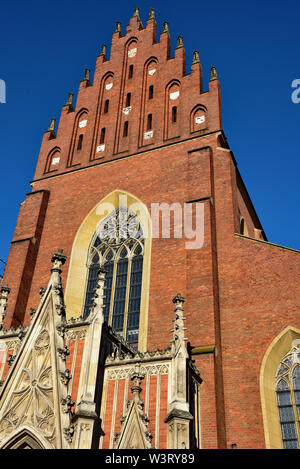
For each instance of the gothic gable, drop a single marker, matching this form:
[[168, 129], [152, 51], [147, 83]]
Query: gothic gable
[[32, 392], [134, 431]]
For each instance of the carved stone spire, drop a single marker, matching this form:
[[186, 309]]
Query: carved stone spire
[[179, 44], [69, 100], [103, 51], [86, 408], [178, 417], [4, 292], [87, 74], [151, 14], [165, 28], [51, 127], [57, 260], [140, 437], [213, 74], [196, 57], [136, 379], [136, 13], [178, 330], [98, 298], [118, 27]]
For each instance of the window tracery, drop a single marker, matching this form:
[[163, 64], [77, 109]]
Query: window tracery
[[288, 396], [118, 246]]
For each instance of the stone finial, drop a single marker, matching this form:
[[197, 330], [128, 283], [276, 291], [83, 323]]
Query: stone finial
[[98, 296], [178, 330], [4, 292], [178, 299], [5, 289], [165, 28], [103, 50], [118, 27], [136, 378], [69, 101], [57, 260], [151, 14], [87, 74], [213, 74], [136, 13], [51, 127], [178, 416], [179, 44], [196, 57]]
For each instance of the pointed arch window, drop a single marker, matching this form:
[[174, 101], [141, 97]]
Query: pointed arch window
[[288, 397], [118, 246]]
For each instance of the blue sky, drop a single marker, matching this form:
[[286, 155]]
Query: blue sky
[[45, 47]]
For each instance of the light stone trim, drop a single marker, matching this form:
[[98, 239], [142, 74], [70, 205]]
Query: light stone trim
[[150, 369], [113, 418], [125, 395], [157, 410]]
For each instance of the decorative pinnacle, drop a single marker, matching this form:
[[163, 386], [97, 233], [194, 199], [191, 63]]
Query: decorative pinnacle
[[5, 289], [98, 295], [179, 42], [52, 125], [136, 379], [196, 57], [87, 74], [58, 258], [178, 299], [118, 27], [151, 14], [165, 27], [70, 99], [213, 74], [103, 50], [4, 292], [178, 330], [136, 13]]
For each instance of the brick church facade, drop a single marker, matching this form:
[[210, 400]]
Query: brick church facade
[[119, 334]]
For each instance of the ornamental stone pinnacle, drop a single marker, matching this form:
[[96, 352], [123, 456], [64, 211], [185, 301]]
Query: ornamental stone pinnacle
[[103, 50], [196, 57], [87, 74], [58, 260], [178, 329], [4, 292], [179, 44], [136, 13], [165, 28], [69, 101], [98, 296], [213, 74], [151, 14], [118, 27], [136, 379], [51, 127]]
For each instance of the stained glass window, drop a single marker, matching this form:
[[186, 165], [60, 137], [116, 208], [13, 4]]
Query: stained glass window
[[288, 397], [118, 246]]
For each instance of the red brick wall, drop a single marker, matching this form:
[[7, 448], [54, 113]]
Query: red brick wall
[[151, 413], [240, 293]]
